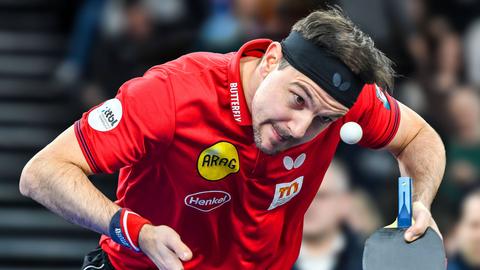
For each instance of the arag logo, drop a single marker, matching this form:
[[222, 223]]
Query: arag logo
[[206, 201], [218, 161], [285, 192]]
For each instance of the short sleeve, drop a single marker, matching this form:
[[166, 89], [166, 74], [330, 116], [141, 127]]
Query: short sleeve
[[118, 132], [378, 114]]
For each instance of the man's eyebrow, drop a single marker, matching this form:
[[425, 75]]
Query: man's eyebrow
[[306, 90], [315, 101]]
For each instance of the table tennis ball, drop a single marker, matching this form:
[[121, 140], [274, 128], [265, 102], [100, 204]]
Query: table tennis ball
[[351, 133]]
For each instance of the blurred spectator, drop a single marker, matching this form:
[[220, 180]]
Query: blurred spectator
[[390, 23], [468, 242], [472, 54], [84, 32], [461, 13], [223, 31], [278, 16], [363, 215], [446, 72], [373, 170], [463, 150], [448, 64], [328, 243], [148, 33], [232, 23], [439, 69]]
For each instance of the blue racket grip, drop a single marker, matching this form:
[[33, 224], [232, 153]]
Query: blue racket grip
[[404, 202]]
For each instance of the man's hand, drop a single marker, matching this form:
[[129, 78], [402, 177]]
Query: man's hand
[[164, 247], [423, 219]]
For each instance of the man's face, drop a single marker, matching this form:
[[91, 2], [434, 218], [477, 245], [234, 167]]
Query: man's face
[[330, 206], [464, 108], [469, 232], [289, 109]]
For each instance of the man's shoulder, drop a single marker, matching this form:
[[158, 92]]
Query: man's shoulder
[[193, 63]]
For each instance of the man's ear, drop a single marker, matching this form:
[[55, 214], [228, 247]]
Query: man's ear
[[271, 58]]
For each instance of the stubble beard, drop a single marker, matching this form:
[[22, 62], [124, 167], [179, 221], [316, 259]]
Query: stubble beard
[[257, 137]]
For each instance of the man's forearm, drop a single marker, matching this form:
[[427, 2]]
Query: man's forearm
[[423, 159], [66, 190]]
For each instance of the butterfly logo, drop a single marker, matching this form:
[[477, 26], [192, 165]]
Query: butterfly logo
[[337, 81], [289, 163]]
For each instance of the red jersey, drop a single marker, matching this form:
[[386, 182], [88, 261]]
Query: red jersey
[[182, 140]]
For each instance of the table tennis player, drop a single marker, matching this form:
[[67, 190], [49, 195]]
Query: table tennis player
[[220, 155]]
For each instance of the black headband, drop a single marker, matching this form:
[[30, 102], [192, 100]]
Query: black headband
[[326, 70]]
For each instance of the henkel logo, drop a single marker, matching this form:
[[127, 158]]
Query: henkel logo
[[285, 192], [206, 201]]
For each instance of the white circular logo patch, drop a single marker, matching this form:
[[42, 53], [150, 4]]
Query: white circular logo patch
[[107, 116]]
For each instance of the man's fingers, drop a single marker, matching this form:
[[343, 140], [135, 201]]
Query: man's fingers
[[176, 245], [422, 218], [168, 260], [164, 247]]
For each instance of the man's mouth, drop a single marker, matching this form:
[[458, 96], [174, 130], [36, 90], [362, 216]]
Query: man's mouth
[[280, 136]]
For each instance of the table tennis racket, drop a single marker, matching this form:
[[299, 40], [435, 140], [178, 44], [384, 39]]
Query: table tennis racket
[[386, 249]]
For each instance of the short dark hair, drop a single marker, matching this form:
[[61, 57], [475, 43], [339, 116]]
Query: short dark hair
[[339, 36]]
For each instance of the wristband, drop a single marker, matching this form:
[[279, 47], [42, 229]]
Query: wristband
[[125, 228]]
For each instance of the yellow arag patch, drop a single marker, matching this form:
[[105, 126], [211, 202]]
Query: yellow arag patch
[[218, 161]]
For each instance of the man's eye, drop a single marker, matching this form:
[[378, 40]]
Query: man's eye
[[299, 100], [326, 119]]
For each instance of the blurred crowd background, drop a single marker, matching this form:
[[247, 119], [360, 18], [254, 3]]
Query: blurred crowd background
[[59, 58]]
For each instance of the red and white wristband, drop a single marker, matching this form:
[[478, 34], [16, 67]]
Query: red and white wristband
[[125, 228]]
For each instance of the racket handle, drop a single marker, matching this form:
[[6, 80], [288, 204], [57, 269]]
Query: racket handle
[[404, 202]]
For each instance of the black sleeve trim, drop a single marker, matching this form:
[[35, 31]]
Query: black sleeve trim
[[84, 146]]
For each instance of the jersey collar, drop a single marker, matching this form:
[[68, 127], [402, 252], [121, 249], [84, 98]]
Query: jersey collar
[[238, 104]]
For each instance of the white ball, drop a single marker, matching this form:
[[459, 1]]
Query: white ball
[[351, 133]]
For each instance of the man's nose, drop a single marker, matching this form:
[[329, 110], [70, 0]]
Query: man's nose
[[299, 124]]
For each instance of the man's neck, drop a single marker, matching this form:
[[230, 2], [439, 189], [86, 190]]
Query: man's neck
[[250, 79]]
